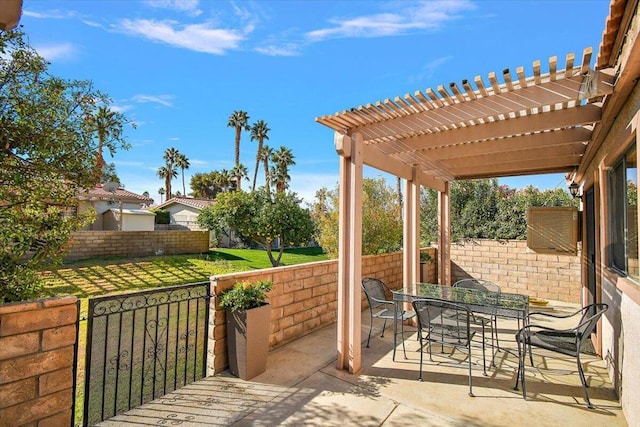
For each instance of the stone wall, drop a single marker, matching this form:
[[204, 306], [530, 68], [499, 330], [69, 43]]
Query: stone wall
[[517, 269], [37, 343], [94, 244]]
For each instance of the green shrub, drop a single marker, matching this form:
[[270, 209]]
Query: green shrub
[[162, 216], [246, 295]]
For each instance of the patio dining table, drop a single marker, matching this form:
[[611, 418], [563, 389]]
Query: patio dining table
[[505, 305]]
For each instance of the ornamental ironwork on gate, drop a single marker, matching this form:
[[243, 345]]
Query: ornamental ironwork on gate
[[143, 345]]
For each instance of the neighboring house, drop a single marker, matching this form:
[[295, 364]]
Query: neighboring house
[[184, 211], [183, 214], [116, 209]]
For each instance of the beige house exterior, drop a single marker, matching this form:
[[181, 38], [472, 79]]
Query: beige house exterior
[[574, 118], [113, 206], [184, 211]]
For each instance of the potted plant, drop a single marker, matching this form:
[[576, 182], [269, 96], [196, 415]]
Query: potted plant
[[248, 326]]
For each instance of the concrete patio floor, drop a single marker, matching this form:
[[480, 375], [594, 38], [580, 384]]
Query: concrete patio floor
[[302, 387]]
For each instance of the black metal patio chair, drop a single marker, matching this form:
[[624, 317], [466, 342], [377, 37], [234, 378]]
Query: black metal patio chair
[[382, 308], [488, 286], [565, 341], [448, 324]]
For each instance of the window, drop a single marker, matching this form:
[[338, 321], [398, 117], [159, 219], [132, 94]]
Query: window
[[623, 207]]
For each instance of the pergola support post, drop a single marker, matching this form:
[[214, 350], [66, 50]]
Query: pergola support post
[[444, 236], [411, 231], [349, 342]]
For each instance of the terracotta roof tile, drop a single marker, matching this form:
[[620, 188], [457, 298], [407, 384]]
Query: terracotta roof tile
[[188, 201], [120, 193]]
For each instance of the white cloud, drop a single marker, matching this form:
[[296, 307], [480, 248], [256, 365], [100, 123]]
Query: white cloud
[[290, 49], [121, 108], [429, 69], [306, 184], [196, 162], [416, 17], [50, 14], [198, 37], [57, 52], [158, 99], [188, 6]]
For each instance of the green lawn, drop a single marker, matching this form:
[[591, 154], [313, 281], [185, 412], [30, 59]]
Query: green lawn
[[110, 275], [94, 277]]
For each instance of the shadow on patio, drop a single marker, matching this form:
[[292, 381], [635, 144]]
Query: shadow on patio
[[303, 387]]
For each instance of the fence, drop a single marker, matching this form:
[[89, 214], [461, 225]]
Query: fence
[[143, 345]]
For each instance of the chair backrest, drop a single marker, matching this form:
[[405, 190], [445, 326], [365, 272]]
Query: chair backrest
[[480, 284], [374, 289], [590, 316], [440, 314]]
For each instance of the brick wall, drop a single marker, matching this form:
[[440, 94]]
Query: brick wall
[[518, 269], [303, 299], [37, 340], [92, 244]]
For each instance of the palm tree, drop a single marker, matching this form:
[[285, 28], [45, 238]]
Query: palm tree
[[170, 157], [259, 132], [266, 154], [224, 180], [183, 163], [167, 173], [283, 158], [107, 125], [240, 171], [161, 193], [146, 194], [240, 121]]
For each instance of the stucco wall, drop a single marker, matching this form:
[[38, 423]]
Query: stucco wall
[[92, 244], [518, 269], [37, 340]]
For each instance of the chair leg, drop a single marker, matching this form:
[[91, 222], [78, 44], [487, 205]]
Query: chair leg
[[470, 376], [370, 329], [584, 383], [384, 325], [495, 328], [421, 354], [402, 337], [484, 362]]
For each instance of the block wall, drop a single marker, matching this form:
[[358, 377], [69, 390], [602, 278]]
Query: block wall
[[93, 244], [304, 298], [517, 269], [37, 343]]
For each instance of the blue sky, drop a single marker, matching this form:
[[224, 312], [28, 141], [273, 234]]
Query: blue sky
[[179, 68]]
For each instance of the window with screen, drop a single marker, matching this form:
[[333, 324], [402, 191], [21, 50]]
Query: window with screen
[[623, 215]]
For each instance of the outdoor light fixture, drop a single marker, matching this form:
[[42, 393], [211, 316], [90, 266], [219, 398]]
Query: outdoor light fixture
[[573, 189]]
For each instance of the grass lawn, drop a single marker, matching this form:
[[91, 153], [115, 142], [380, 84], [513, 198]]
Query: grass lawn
[[110, 275], [95, 277]]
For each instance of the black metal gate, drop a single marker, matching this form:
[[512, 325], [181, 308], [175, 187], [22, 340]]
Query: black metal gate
[[143, 345]]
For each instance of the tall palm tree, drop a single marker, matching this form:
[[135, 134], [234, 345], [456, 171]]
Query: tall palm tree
[[107, 125], [183, 163], [170, 157], [240, 171], [239, 120], [265, 155], [167, 173], [283, 158], [259, 132], [161, 193]]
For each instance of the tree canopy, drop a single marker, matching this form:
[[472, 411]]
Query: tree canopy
[[381, 220], [260, 218], [49, 151]]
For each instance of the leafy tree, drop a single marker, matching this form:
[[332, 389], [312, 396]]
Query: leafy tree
[[183, 163], [259, 132], [109, 174], [162, 216], [261, 219], [283, 158], [146, 194], [381, 225], [48, 154], [239, 120]]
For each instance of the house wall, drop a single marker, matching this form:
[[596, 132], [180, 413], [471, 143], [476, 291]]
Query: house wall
[[102, 206], [518, 269], [620, 328], [138, 222], [186, 216], [93, 244], [37, 340]]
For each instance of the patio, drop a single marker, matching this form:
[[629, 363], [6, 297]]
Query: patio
[[303, 386]]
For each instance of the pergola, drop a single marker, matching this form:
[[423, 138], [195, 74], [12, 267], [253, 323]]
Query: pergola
[[541, 123]]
